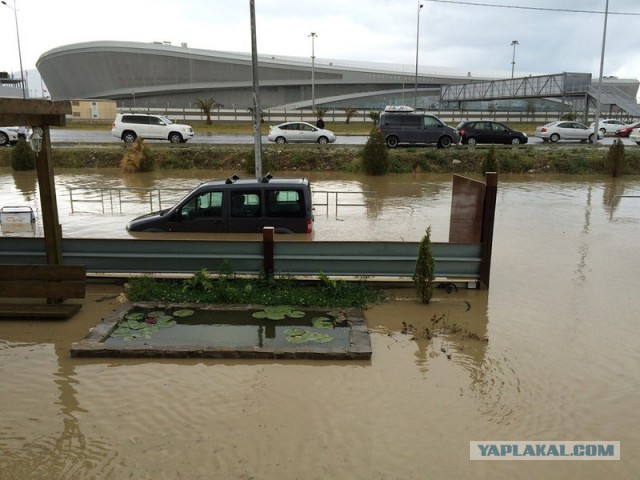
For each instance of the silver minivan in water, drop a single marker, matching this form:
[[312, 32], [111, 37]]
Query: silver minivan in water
[[403, 125], [236, 206]]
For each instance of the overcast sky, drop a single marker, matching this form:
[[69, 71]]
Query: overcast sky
[[474, 36]]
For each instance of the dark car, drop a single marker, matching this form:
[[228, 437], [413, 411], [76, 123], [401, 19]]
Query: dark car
[[485, 131], [236, 206], [403, 125]]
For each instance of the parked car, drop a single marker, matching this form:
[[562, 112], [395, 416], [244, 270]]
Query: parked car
[[634, 136], [485, 131], [236, 206], [403, 125], [129, 126], [608, 125], [626, 130], [8, 135], [300, 132], [565, 130]]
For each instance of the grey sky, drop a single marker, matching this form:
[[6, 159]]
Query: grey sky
[[472, 37]]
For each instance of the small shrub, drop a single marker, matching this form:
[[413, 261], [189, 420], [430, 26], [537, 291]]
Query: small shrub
[[138, 158], [375, 156], [490, 164], [22, 157], [425, 269], [615, 161]]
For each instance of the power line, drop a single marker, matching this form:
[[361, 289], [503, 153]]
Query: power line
[[520, 7]]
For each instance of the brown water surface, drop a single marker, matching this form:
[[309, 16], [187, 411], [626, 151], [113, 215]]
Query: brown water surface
[[549, 353]]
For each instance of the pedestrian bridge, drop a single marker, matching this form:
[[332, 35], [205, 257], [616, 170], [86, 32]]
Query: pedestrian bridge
[[562, 85]]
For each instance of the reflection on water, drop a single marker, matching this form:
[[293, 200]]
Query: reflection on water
[[549, 353]]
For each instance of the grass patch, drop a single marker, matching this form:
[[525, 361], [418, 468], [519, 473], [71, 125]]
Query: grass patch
[[227, 288]]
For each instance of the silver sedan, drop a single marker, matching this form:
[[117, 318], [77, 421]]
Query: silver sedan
[[300, 132], [565, 130]]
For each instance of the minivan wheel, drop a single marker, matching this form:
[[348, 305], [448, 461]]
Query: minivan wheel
[[392, 142], [128, 137], [175, 138], [472, 142], [515, 141], [444, 142], [281, 140], [323, 140]]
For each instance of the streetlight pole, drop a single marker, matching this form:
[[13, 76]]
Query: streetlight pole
[[313, 70], [417, 49], [15, 14], [596, 121], [513, 59]]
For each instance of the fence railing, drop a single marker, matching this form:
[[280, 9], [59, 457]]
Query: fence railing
[[116, 200]]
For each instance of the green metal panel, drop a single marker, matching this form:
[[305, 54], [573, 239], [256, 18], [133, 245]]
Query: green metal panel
[[295, 258]]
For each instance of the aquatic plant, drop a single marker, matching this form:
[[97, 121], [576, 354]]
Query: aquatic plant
[[278, 312], [140, 325], [299, 335]]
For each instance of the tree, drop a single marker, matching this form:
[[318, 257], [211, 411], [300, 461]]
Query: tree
[[22, 157], [531, 108], [375, 116], [349, 113], [320, 112], [489, 164], [206, 105], [375, 155], [425, 269], [138, 158], [616, 160]]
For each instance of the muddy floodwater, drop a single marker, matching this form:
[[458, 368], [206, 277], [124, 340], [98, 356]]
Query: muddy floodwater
[[549, 353]]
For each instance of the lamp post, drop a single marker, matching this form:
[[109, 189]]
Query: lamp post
[[15, 15], [417, 48], [313, 70], [513, 59]]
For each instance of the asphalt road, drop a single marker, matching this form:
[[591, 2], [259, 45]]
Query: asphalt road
[[99, 136]]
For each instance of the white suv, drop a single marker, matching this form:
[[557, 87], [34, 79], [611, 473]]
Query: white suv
[[129, 126]]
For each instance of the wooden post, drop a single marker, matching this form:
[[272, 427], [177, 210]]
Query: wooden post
[[49, 204], [267, 251], [488, 220]]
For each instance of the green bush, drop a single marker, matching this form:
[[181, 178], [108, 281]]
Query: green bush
[[490, 164], [22, 157], [375, 156], [615, 161], [425, 269], [138, 158]]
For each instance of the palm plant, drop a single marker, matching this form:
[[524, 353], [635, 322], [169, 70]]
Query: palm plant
[[206, 105]]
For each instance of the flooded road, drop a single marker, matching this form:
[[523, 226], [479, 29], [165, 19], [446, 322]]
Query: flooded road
[[549, 353]]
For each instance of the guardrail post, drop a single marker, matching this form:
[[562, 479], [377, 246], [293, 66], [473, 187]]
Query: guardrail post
[[488, 220], [267, 251]]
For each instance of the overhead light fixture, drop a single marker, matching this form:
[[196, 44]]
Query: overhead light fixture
[[35, 141]]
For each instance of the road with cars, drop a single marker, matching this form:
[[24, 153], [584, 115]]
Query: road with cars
[[62, 136]]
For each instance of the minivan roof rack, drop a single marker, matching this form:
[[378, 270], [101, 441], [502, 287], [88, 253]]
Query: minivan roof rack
[[231, 179], [267, 177], [398, 109]]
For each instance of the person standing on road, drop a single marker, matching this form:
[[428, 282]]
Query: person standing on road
[[320, 123]]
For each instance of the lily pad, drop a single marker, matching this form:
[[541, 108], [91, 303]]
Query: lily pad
[[156, 313], [259, 315], [321, 322], [294, 332], [295, 314], [135, 316], [185, 312]]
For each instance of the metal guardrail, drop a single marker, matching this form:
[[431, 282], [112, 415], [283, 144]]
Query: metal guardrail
[[114, 199], [123, 257]]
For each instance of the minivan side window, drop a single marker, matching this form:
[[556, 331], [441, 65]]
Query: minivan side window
[[284, 203], [245, 204], [431, 121], [402, 120], [205, 205]]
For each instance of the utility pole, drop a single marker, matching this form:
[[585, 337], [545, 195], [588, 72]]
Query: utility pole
[[417, 49], [313, 70], [257, 137]]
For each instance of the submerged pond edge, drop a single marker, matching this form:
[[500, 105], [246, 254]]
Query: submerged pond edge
[[93, 345]]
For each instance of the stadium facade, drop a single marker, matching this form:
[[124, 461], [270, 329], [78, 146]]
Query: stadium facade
[[159, 75]]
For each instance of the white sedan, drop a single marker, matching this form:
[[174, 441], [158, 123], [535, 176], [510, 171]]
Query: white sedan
[[8, 135], [634, 136], [565, 130], [300, 132], [608, 125]]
